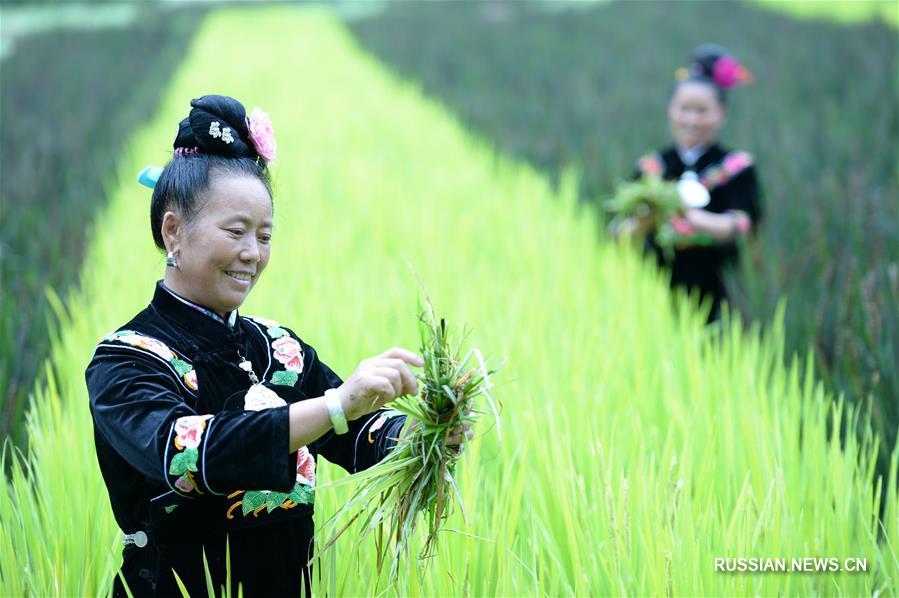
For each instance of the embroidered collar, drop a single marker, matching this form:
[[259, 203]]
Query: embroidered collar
[[690, 156], [167, 292]]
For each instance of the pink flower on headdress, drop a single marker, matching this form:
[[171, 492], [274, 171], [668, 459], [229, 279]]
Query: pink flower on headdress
[[262, 135], [727, 72]]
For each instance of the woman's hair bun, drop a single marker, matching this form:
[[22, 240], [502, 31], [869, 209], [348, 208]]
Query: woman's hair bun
[[713, 64], [704, 57], [216, 125]]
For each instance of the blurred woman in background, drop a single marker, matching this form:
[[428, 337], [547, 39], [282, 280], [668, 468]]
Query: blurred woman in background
[[707, 237]]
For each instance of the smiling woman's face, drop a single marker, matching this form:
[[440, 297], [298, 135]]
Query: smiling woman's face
[[696, 114], [222, 252]]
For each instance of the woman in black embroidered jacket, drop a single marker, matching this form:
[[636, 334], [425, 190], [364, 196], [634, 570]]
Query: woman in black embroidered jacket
[[708, 237], [208, 423]]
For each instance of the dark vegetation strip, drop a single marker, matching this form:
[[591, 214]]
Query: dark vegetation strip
[[589, 87], [69, 100]]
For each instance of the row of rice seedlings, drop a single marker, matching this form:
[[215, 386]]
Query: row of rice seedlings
[[639, 445], [854, 11], [100, 82]]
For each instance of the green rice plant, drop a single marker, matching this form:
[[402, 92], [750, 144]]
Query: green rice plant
[[226, 591], [638, 445], [418, 476], [61, 139], [847, 11]]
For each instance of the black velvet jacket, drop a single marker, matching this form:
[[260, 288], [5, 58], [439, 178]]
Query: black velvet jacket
[[730, 178], [190, 459]]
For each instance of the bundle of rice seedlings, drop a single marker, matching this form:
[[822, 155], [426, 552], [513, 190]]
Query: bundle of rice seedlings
[[417, 477], [651, 196], [643, 196]]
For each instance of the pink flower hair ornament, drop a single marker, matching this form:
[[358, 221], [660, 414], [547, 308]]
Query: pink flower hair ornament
[[727, 72], [262, 135]]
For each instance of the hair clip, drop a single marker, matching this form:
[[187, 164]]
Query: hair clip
[[149, 175], [216, 132], [186, 151]]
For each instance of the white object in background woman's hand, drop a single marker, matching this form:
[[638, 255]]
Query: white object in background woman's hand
[[693, 194], [379, 380]]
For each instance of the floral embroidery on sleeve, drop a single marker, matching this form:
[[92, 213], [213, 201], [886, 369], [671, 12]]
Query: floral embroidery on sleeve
[[145, 342], [379, 423], [719, 174], [190, 379], [188, 432], [183, 369], [650, 165], [735, 162], [265, 322], [303, 493], [305, 467]]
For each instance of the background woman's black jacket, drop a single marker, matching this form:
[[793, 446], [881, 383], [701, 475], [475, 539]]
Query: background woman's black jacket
[[731, 180]]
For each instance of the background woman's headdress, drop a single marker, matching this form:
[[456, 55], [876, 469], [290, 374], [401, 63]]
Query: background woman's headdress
[[715, 64]]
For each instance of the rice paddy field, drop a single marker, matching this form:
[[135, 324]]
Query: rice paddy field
[[638, 444], [53, 183], [587, 88]]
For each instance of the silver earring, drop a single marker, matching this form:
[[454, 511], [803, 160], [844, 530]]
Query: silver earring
[[171, 261]]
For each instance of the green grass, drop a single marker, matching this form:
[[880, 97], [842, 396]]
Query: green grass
[[637, 445], [852, 11], [69, 99]]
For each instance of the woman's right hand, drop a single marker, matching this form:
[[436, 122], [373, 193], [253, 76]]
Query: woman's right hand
[[379, 380]]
